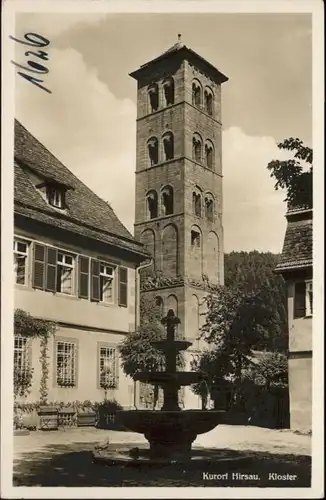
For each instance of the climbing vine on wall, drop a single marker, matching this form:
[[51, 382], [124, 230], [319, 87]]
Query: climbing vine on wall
[[44, 370], [28, 327]]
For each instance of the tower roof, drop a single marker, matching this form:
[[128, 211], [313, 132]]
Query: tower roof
[[175, 48], [180, 49]]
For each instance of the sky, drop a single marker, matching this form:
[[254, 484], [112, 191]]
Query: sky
[[89, 119]]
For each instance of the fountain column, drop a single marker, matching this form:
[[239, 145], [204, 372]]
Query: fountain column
[[170, 389]]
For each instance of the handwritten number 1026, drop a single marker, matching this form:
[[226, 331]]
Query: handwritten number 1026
[[36, 41]]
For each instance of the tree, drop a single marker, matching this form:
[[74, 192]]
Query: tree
[[270, 370], [254, 272], [136, 350], [234, 322], [294, 174]]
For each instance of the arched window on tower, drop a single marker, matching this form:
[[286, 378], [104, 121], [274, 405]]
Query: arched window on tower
[[209, 207], [197, 145], [196, 203], [160, 306], [172, 303], [147, 238], [169, 252], [168, 146], [196, 93], [212, 257], [195, 322], [153, 96], [167, 200], [151, 202], [152, 146], [196, 253], [195, 238], [208, 101], [168, 89], [209, 154]]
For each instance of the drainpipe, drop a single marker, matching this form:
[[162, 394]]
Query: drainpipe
[[137, 308]]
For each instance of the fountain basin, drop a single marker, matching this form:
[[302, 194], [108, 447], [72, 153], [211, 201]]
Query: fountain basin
[[166, 346], [194, 421], [177, 378], [170, 433]]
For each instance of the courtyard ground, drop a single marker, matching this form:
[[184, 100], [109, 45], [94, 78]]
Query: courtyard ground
[[63, 458]]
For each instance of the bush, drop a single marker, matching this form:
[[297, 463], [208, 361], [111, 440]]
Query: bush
[[106, 412]]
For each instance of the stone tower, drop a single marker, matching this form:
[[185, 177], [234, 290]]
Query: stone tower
[[179, 180]]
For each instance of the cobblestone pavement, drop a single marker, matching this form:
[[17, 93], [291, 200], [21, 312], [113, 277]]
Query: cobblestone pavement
[[63, 458]]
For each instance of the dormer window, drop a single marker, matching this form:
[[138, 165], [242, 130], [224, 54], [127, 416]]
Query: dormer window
[[52, 191], [55, 196]]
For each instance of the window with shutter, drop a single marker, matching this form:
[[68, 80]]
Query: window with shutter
[[83, 271], [95, 280], [300, 300], [65, 273], [123, 286], [107, 282], [51, 270], [39, 266]]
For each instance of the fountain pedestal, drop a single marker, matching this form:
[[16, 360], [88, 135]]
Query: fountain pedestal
[[169, 444]]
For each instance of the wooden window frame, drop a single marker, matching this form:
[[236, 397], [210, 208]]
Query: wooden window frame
[[25, 254]]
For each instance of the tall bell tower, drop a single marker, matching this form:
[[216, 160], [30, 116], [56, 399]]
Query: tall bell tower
[[179, 180]]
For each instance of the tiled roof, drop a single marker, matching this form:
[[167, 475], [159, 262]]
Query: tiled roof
[[85, 213], [297, 248], [180, 47]]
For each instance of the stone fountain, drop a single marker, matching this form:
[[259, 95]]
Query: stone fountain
[[170, 431]]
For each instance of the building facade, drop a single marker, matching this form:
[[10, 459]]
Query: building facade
[[179, 183], [296, 266], [75, 265]]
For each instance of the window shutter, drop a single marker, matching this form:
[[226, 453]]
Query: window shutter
[[51, 269], [123, 286], [38, 266], [83, 277], [95, 280], [300, 300]]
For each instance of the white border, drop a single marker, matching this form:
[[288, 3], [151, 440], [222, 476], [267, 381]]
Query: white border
[[177, 6]]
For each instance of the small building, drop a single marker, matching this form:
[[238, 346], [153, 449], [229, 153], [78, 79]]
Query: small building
[[75, 264], [296, 266]]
